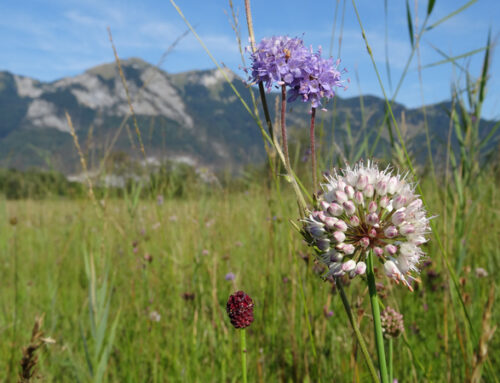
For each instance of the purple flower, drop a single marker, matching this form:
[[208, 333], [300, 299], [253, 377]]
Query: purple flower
[[229, 277], [319, 81], [285, 61], [279, 59]]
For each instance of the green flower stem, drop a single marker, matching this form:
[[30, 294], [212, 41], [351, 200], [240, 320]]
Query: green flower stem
[[243, 345], [390, 359], [377, 326], [358, 334]]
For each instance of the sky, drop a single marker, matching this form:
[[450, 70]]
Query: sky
[[51, 39]]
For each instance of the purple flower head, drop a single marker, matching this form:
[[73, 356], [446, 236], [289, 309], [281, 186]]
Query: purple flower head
[[280, 60], [229, 277], [319, 80]]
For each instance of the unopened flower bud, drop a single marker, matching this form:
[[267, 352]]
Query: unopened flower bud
[[340, 225], [372, 219], [360, 268], [391, 249], [372, 207], [339, 236], [348, 249], [349, 190], [354, 221], [407, 229], [340, 196], [358, 198], [335, 256], [362, 182], [330, 222], [321, 216], [323, 244], [372, 233], [324, 205], [368, 191], [384, 202], [391, 232], [335, 209], [398, 202], [381, 187], [349, 207], [415, 205], [378, 251], [364, 242], [392, 185], [348, 266], [398, 218]]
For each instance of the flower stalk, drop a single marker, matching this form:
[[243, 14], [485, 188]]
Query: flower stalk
[[313, 149], [357, 333], [377, 325], [284, 139], [243, 346]]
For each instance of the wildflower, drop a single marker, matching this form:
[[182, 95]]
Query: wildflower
[[320, 79], [154, 316], [240, 310], [229, 277], [285, 61], [278, 60], [392, 323], [160, 200], [372, 210], [187, 296], [481, 273]]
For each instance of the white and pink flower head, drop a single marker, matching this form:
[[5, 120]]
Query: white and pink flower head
[[365, 209]]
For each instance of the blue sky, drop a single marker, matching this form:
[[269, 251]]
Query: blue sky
[[50, 39]]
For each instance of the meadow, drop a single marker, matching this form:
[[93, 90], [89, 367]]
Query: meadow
[[99, 286], [141, 296]]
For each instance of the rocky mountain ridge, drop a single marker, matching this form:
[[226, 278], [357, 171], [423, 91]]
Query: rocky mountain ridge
[[191, 117]]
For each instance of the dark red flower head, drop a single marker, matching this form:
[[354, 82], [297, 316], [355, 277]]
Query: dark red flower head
[[240, 309]]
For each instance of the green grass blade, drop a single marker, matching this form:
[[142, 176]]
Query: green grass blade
[[410, 24], [455, 58], [449, 16]]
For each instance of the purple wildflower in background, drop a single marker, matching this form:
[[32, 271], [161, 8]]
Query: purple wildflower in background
[[281, 60], [229, 277], [319, 80], [278, 59]]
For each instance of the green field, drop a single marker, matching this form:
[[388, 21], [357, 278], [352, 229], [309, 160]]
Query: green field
[[75, 262]]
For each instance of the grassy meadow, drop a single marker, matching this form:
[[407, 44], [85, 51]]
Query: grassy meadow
[[87, 269]]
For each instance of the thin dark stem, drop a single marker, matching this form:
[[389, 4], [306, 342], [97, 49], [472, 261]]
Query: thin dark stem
[[267, 115], [313, 149], [283, 127]]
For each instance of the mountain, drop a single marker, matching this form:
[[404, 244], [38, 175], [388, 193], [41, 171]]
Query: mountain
[[191, 117]]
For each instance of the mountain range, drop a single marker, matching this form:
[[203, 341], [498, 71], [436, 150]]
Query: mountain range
[[192, 117]]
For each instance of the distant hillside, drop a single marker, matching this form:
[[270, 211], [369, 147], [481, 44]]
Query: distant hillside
[[191, 117]]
